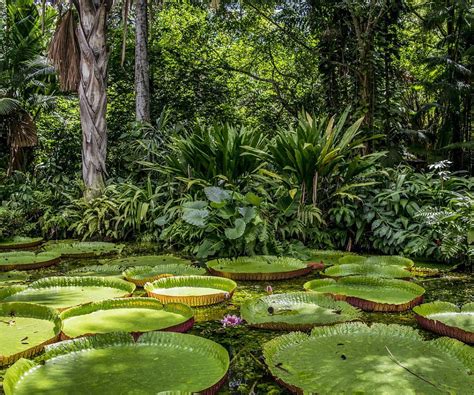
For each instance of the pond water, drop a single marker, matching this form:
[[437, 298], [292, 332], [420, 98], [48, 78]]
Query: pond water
[[248, 373]]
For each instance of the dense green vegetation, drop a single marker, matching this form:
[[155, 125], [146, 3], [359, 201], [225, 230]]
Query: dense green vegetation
[[234, 169], [242, 157]]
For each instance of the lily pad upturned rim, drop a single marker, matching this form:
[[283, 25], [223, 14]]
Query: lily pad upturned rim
[[310, 297], [20, 242], [296, 268], [394, 260], [422, 316], [130, 261], [40, 260], [370, 305], [30, 310], [97, 270], [164, 339], [452, 347], [359, 269], [84, 249], [165, 270], [226, 285], [133, 302], [69, 281]]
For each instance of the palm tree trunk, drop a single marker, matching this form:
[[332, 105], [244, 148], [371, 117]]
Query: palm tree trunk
[[142, 79], [91, 35]]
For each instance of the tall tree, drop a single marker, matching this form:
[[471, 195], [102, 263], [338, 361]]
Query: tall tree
[[79, 52], [142, 77]]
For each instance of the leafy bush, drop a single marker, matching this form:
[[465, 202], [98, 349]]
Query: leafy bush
[[218, 152], [227, 222], [322, 157]]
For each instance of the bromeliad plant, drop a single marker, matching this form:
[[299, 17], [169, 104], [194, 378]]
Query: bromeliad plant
[[322, 157]]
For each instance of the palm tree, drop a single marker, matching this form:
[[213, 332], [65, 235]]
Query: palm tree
[[25, 78], [79, 52]]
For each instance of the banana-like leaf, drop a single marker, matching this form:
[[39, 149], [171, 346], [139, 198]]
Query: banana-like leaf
[[447, 319], [259, 268], [296, 311], [133, 315], [113, 363], [25, 329], [191, 290], [352, 358], [370, 293], [64, 292]]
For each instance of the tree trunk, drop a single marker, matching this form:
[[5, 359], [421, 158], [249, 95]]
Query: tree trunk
[[142, 78], [91, 34]]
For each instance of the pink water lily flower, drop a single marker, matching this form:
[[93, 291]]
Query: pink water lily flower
[[231, 320], [269, 289]]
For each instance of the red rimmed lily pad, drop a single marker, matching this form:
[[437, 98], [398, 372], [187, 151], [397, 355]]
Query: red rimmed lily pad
[[447, 319]]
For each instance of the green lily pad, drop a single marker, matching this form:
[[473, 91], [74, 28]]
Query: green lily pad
[[296, 311], [364, 269], [140, 275], [84, 249], [258, 268], [328, 257], [25, 260], [149, 260], [447, 319], [370, 293], [114, 364], [135, 315], [20, 242], [380, 260], [25, 329], [64, 292], [98, 270], [191, 290], [352, 358], [14, 276]]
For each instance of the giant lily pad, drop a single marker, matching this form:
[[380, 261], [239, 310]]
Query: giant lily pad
[[135, 315], [24, 260], [364, 269], [381, 260], [20, 242], [191, 290], [114, 364], [84, 249], [447, 319], [64, 292], [97, 270], [149, 260], [296, 311], [353, 358], [25, 329], [140, 275], [259, 268], [6, 278], [328, 257], [370, 293]]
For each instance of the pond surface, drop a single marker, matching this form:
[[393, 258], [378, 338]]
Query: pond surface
[[248, 373]]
